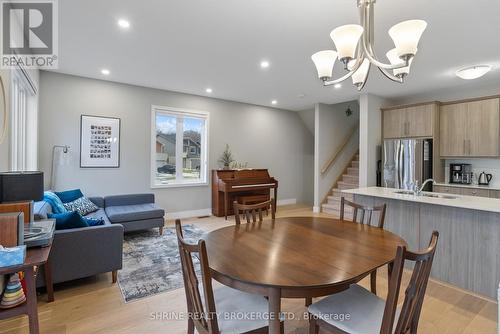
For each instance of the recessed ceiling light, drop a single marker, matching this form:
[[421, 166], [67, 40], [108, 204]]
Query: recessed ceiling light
[[105, 71], [209, 90], [122, 23], [337, 86], [274, 102], [264, 64], [473, 72]]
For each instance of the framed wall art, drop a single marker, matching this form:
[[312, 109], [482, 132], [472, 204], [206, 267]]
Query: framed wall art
[[99, 142]]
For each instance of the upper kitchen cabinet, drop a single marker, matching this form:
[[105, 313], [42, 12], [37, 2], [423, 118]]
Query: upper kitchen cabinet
[[470, 129], [412, 121]]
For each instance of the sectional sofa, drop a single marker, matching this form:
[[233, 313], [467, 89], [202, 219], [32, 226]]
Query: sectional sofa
[[88, 251]]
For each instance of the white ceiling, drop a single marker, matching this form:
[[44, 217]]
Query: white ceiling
[[189, 45]]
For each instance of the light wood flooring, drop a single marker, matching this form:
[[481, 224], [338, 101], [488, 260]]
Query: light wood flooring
[[95, 305]]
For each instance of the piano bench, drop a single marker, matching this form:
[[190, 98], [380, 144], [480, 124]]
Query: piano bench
[[253, 199]]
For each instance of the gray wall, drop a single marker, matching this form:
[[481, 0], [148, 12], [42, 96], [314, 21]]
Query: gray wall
[[264, 137]]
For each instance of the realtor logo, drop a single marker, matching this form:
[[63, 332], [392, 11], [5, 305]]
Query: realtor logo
[[29, 34]]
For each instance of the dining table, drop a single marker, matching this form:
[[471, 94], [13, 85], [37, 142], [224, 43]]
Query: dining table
[[297, 257]]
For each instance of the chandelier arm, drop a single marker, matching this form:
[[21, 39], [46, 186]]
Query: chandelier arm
[[367, 46], [359, 61]]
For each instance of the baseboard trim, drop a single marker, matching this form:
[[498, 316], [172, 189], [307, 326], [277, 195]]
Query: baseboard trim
[[189, 214], [288, 201], [316, 209]]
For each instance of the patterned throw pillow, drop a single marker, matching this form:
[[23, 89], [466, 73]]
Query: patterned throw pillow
[[83, 206]]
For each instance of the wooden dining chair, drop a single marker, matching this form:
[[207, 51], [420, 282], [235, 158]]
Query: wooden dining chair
[[369, 314], [365, 219], [251, 211], [210, 309]]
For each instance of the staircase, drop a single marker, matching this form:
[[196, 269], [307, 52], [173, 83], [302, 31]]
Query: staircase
[[348, 180]]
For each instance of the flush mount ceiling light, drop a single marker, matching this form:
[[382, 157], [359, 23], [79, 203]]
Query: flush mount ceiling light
[[105, 71], [355, 45], [473, 72], [122, 23]]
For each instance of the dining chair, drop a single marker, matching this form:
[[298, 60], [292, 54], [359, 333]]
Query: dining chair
[[210, 309], [369, 314], [252, 210], [363, 210]]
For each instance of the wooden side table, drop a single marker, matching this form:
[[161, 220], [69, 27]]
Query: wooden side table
[[35, 258]]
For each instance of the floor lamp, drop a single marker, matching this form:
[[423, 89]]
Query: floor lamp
[[64, 152]]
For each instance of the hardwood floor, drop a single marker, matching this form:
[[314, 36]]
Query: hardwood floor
[[94, 305]]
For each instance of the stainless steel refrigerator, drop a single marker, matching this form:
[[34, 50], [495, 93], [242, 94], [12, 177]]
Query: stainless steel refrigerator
[[405, 162]]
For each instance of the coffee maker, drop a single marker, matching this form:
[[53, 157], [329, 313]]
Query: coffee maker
[[461, 173]]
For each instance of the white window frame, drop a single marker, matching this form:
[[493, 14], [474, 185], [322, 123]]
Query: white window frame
[[179, 112], [24, 123]]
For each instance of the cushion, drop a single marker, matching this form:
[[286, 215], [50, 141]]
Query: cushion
[[82, 205], [93, 221], [99, 214], [125, 213], [68, 220], [69, 195], [41, 209], [365, 311], [54, 201]]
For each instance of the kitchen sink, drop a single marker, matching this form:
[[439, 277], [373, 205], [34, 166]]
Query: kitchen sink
[[409, 192], [404, 192]]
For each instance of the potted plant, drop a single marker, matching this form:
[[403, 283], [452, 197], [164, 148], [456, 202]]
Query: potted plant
[[226, 158]]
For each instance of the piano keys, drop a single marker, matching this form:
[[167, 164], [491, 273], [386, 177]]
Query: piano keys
[[244, 186]]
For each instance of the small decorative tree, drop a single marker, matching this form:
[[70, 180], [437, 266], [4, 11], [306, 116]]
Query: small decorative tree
[[226, 158]]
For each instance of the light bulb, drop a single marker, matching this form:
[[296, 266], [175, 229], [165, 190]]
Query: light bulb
[[324, 61], [406, 36]]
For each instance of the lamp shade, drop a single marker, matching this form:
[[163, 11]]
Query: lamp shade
[[359, 77], [406, 36], [21, 186], [324, 61], [346, 39], [393, 57]]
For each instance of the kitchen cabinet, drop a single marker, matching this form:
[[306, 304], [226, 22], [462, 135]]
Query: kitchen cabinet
[[470, 129], [466, 191], [411, 121]]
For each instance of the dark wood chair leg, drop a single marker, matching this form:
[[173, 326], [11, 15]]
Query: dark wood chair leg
[[47, 271], [309, 301], [160, 230], [190, 327], [373, 281], [114, 276], [313, 326], [282, 327]]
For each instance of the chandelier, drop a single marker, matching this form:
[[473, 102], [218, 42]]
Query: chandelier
[[355, 49]]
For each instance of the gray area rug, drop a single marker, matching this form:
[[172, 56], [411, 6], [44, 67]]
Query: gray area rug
[[151, 263]]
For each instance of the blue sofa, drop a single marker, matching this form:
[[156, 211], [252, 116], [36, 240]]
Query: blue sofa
[[83, 252]]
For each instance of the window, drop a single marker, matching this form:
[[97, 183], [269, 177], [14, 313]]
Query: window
[[178, 147], [23, 122]]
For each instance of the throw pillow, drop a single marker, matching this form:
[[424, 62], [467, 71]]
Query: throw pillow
[[69, 195], [68, 220], [83, 206], [94, 221], [54, 201]]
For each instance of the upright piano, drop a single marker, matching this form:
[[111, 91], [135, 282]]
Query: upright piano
[[244, 186]]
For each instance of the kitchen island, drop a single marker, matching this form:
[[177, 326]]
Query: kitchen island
[[468, 252]]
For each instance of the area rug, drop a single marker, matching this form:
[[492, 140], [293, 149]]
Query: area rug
[[151, 263]]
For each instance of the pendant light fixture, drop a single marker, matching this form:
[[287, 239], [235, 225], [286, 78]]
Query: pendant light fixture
[[355, 49]]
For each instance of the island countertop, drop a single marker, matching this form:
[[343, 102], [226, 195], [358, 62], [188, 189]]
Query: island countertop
[[457, 201]]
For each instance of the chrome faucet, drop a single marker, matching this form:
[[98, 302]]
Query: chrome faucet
[[418, 191]]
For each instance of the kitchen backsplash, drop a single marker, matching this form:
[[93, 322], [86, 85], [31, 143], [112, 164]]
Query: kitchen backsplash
[[490, 166]]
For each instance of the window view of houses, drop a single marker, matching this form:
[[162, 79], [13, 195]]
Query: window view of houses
[[167, 137]]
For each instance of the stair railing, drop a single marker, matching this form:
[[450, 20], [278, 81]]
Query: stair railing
[[339, 150]]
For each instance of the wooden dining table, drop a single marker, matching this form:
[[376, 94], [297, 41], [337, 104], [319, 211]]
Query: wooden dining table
[[297, 257]]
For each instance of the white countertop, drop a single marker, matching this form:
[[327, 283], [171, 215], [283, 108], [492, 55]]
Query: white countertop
[[474, 186], [461, 201]]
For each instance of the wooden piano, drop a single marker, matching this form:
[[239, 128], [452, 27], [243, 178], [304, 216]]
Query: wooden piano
[[245, 186]]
